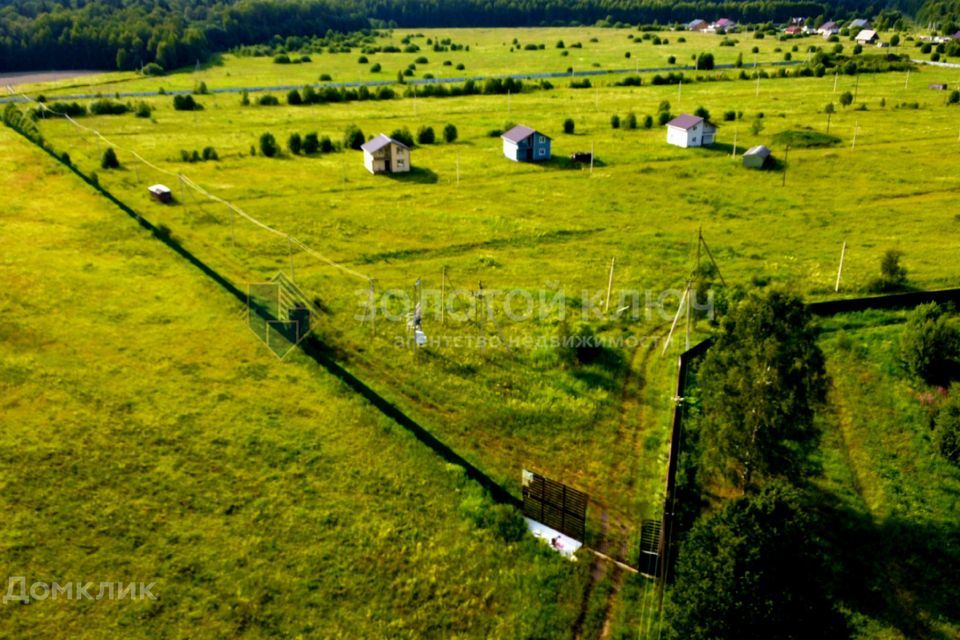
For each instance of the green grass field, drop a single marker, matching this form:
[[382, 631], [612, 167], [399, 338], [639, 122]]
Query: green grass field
[[881, 465], [148, 438], [538, 231], [490, 54]]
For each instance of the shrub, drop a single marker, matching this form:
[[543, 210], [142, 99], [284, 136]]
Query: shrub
[[152, 69], [893, 276], [930, 345], [268, 100], [569, 126], [729, 116], [245, 98], [630, 121], [281, 58], [295, 143], [701, 112], [376, 68], [201, 89], [425, 135], [614, 121], [326, 145], [705, 61], [104, 107], [461, 67], [353, 137], [450, 133], [268, 145], [648, 121], [294, 97], [363, 60], [403, 135], [663, 118], [325, 77], [209, 153], [421, 60], [946, 431], [186, 103], [109, 159], [311, 144], [143, 110]]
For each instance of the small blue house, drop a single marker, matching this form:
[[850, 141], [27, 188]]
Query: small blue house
[[523, 144]]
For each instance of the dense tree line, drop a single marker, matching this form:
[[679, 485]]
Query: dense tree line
[[125, 34], [128, 34]]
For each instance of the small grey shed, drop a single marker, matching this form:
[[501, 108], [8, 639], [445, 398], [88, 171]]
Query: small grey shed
[[757, 157]]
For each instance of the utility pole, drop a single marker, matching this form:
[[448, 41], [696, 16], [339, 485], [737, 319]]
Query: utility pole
[[843, 253], [758, 84], [443, 291], [906, 83], [733, 154], [856, 128], [856, 88], [836, 79], [591, 158], [828, 121], [606, 303]]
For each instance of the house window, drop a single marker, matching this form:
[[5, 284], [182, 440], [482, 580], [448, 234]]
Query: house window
[[542, 140], [399, 163], [543, 152]]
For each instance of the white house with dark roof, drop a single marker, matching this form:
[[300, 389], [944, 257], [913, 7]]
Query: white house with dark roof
[[828, 29], [690, 131], [523, 144], [383, 154]]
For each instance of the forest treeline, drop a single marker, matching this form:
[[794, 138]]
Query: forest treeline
[[128, 34]]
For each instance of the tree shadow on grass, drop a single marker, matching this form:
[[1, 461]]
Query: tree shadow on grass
[[565, 163], [899, 571], [418, 175]]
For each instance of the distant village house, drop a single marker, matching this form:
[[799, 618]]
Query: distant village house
[[697, 25], [523, 144], [690, 131], [828, 29], [383, 154]]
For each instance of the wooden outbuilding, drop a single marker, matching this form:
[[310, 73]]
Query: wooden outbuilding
[[160, 193], [757, 157]]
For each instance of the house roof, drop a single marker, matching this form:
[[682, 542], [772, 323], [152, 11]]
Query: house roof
[[866, 34], [158, 188], [685, 121], [860, 23], [759, 150], [519, 132], [724, 22], [696, 23], [828, 25], [375, 144]]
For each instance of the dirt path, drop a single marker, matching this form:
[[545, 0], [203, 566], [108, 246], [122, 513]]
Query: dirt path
[[14, 78]]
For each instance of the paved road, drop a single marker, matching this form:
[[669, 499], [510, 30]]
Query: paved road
[[377, 83], [949, 65]]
